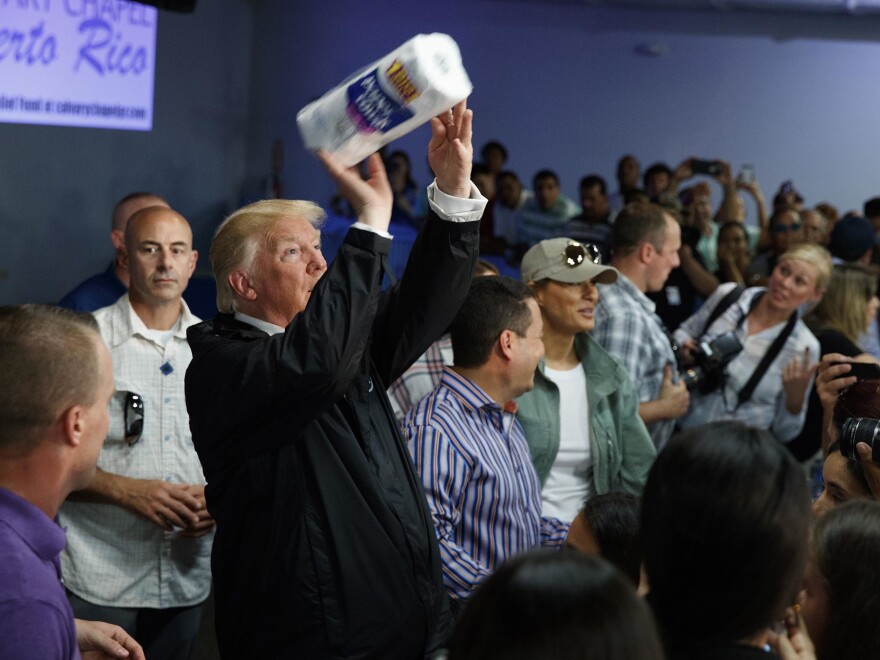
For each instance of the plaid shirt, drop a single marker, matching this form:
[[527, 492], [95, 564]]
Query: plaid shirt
[[483, 491], [421, 378], [113, 556], [629, 329]]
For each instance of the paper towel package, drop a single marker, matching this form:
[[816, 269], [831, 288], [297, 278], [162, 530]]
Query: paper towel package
[[387, 99]]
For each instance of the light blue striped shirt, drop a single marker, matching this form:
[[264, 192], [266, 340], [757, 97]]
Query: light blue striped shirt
[[484, 494]]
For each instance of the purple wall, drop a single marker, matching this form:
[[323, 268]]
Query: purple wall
[[560, 83], [563, 87]]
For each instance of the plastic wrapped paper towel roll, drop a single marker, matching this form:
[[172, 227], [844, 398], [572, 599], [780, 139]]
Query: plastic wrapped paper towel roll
[[386, 100]]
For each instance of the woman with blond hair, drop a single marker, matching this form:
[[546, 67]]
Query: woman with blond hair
[[760, 370], [837, 321]]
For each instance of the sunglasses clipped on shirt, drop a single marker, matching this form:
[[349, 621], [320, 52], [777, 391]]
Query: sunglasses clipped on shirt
[[575, 253], [134, 417]]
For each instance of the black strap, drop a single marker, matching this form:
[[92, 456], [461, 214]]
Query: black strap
[[749, 388], [722, 306]]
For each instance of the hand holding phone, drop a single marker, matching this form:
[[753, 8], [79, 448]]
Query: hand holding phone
[[861, 370], [709, 167]]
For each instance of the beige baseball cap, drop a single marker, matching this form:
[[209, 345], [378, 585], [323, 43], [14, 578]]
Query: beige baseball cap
[[565, 260]]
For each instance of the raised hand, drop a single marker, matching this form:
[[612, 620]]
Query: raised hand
[[796, 377], [371, 199], [451, 152]]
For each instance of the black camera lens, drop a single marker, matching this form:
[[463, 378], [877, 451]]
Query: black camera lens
[[860, 429]]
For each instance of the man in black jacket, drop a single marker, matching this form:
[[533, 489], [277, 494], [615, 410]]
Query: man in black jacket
[[324, 545]]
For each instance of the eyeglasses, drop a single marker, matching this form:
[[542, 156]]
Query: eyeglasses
[[134, 417], [574, 254], [781, 229]]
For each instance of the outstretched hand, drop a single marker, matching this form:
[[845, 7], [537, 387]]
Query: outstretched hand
[[371, 199], [796, 377], [451, 152]]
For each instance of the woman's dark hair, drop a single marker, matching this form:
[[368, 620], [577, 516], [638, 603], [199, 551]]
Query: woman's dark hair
[[846, 546], [853, 467], [555, 606], [613, 520], [725, 519], [861, 399]]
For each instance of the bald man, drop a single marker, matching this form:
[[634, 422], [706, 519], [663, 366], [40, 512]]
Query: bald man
[[139, 536], [105, 288]]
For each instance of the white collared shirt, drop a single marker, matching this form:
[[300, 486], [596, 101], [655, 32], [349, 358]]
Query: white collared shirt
[[113, 556]]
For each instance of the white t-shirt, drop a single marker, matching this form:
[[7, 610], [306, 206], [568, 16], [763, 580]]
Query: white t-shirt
[[569, 483]]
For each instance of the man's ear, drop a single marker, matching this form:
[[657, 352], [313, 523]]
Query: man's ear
[[646, 252], [122, 255], [505, 344], [73, 423], [194, 259], [117, 237], [241, 283]]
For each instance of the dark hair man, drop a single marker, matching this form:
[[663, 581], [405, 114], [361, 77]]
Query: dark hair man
[[593, 224], [468, 447], [547, 212]]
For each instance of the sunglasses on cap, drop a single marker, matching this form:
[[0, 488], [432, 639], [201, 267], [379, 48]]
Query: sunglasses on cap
[[576, 253], [134, 417]]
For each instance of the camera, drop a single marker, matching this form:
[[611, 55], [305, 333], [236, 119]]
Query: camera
[[860, 429], [711, 358]]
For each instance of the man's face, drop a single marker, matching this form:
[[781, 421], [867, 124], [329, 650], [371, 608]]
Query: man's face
[[628, 173], [594, 203], [509, 191], [657, 183], [159, 256], [546, 192], [666, 258], [494, 160], [787, 231], [529, 350], [814, 228], [286, 269]]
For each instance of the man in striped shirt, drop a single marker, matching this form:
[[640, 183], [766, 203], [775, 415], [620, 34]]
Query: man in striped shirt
[[468, 447]]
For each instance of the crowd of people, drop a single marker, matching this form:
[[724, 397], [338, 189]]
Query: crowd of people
[[657, 441]]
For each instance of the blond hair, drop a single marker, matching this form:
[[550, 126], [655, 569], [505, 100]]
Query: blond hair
[[816, 256], [844, 307], [237, 239]]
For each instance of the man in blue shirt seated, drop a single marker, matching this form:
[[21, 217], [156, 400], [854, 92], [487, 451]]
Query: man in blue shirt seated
[[53, 420], [470, 450]]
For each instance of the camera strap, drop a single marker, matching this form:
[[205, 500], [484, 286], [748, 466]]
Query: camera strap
[[722, 306], [749, 388]]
